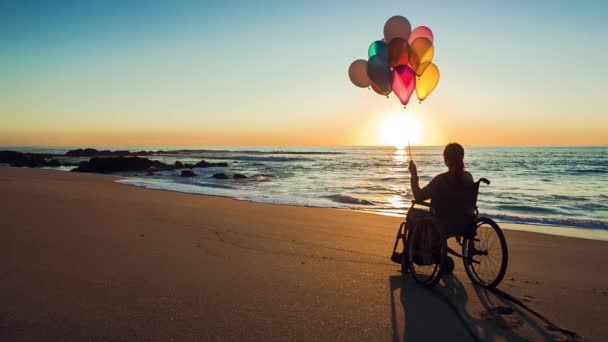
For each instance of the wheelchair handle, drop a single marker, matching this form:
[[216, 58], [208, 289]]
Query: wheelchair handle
[[484, 180]]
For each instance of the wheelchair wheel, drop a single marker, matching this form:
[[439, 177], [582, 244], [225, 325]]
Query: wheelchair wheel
[[486, 255], [427, 250], [397, 257]]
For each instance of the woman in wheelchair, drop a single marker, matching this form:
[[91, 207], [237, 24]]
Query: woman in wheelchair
[[452, 212], [448, 192]]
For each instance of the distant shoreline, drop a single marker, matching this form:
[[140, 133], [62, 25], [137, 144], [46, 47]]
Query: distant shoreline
[[540, 187]]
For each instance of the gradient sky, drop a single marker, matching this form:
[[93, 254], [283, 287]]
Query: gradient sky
[[275, 72]]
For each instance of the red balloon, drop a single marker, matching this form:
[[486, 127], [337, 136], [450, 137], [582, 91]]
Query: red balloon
[[404, 83], [398, 52], [421, 31]]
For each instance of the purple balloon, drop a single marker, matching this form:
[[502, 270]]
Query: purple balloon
[[404, 83]]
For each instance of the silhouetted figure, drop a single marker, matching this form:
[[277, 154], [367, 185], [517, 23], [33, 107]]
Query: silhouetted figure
[[449, 192]]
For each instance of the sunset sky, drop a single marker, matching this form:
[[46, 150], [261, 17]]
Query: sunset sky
[[174, 73]]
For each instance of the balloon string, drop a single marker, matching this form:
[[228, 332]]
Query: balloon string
[[409, 148]]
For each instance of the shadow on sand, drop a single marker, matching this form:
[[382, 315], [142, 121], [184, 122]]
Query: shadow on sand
[[453, 311]]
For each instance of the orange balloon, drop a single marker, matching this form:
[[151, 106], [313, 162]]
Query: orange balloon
[[427, 82], [421, 54], [398, 52]]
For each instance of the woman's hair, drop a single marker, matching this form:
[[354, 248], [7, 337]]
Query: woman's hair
[[454, 157]]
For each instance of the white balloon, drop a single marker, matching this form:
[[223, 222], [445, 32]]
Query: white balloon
[[357, 72], [397, 27]]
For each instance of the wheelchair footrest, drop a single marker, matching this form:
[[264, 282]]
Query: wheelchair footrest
[[396, 257]]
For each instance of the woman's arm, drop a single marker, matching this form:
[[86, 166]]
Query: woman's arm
[[419, 194]]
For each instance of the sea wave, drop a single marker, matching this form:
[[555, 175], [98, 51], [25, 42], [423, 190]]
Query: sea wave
[[564, 222], [394, 178], [587, 171], [255, 158], [253, 152], [349, 200], [527, 209]]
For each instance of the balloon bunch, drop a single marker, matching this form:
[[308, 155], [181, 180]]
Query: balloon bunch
[[399, 63]]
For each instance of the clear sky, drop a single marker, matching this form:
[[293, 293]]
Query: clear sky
[[275, 72]]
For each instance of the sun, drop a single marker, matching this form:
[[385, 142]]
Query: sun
[[399, 129]]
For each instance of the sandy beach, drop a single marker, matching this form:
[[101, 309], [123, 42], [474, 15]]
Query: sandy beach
[[86, 258]]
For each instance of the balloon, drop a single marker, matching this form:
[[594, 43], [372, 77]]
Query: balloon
[[427, 82], [397, 27], [404, 83], [421, 54], [357, 72], [421, 31], [380, 74], [398, 52], [378, 90], [377, 48]]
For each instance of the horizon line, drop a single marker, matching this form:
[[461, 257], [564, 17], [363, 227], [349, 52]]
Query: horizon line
[[284, 146]]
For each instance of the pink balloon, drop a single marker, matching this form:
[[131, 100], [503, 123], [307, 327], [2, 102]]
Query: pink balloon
[[404, 83], [421, 31]]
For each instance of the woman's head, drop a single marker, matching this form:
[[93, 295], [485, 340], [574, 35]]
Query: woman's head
[[453, 156]]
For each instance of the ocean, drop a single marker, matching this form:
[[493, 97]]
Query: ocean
[[558, 186]]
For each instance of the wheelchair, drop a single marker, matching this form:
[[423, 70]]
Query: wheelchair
[[425, 255]]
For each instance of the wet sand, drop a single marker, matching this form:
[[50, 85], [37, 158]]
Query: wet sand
[[85, 258]]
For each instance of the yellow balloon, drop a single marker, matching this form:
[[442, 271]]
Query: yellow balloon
[[421, 54], [427, 82]]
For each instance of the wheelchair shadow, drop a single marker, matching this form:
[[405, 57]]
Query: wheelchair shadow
[[420, 314], [453, 311]]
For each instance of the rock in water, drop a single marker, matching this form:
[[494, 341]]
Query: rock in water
[[220, 175], [91, 152], [188, 173], [53, 163], [87, 152], [116, 164], [204, 163], [239, 176]]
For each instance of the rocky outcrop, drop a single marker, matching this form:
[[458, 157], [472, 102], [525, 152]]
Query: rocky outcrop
[[53, 163], [204, 163], [220, 175], [188, 173], [91, 152], [103, 161], [119, 164], [21, 159]]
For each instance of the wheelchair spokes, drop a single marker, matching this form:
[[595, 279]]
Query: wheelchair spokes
[[486, 255]]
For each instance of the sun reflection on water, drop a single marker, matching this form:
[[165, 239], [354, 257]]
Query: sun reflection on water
[[399, 156], [400, 189]]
